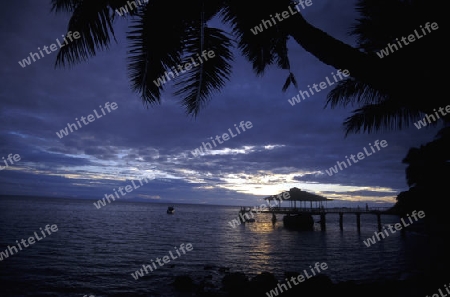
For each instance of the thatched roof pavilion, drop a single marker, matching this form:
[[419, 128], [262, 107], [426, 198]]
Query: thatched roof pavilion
[[297, 195]]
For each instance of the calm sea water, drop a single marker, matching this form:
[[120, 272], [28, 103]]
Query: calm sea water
[[95, 251]]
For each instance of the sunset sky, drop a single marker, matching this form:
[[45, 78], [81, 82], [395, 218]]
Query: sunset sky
[[287, 146]]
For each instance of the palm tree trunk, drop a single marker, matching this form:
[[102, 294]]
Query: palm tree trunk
[[411, 88], [365, 67]]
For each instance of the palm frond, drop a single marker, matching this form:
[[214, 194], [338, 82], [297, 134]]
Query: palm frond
[[290, 80], [154, 50], [64, 5], [386, 115], [92, 20], [208, 76], [350, 92], [377, 27], [266, 47], [157, 52]]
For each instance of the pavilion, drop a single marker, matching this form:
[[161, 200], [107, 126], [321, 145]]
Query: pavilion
[[302, 197]]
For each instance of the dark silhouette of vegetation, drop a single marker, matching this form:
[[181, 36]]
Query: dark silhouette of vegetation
[[427, 175], [392, 90], [412, 69]]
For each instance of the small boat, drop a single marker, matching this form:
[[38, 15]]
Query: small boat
[[170, 210]]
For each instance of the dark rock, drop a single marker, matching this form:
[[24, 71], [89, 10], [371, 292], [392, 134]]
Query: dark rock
[[319, 285], [262, 283], [234, 282], [183, 283]]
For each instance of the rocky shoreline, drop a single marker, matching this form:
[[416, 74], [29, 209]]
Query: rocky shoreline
[[238, 284]]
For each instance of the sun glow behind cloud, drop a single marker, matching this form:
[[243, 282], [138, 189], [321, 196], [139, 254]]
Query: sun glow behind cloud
[[268, 183], [260, 183]]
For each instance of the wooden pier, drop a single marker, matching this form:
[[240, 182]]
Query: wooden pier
[[302, 202], [322, 212]]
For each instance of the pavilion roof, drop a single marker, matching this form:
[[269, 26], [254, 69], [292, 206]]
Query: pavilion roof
[[298, 195]]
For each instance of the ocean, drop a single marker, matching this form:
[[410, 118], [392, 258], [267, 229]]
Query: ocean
[[96, 251]]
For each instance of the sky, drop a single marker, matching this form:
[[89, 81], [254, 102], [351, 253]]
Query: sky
[[287, 146]]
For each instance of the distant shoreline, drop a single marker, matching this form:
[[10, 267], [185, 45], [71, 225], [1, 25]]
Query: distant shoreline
[[154, 201]]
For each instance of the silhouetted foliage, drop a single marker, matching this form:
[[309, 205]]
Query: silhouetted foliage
[[391, 90], [396, 104], [427, 176]]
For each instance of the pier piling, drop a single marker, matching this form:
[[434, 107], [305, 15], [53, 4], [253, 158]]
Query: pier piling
[[322, 222], [358, 221]]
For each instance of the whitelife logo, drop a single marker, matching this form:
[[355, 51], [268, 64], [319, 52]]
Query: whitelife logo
[[440, 292], [299, 279], [391, 48], [243, 217], [27, 61], [124, 9], [371, 241], [127, 189], [207, 146], [11, 250], [360, 156], [165, 259], [90, 118], [428, 117], [322, 85], [10, 158], [280, 17], [183, 68]]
